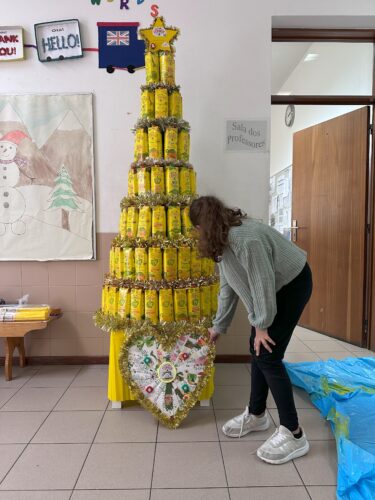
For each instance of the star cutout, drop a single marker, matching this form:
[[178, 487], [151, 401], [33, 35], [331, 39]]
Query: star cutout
[[158, 37]]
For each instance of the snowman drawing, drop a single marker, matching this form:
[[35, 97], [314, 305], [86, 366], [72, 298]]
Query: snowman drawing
[[12, 201]]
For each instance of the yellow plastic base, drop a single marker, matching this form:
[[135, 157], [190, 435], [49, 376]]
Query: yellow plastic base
[[117, 389]]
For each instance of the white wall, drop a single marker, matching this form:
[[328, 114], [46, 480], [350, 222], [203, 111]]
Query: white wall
[[223, 65]]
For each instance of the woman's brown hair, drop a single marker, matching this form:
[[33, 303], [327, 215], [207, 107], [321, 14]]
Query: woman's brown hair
[[214, 220]]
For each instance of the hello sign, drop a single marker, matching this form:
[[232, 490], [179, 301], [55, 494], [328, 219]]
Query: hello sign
[[11, 43], [58, 40]]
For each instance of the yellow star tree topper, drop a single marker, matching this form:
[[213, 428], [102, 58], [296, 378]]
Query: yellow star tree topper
[[158, 36]]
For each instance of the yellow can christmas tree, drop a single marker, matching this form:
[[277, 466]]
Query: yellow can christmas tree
[[166, 297]]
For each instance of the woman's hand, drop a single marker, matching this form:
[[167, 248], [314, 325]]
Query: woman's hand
[[213, 335], [262, 338]]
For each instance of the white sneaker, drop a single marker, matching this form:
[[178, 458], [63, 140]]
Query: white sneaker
[[243, 424], [282, 446]]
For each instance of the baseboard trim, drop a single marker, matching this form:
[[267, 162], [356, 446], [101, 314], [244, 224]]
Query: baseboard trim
[[103, 360]]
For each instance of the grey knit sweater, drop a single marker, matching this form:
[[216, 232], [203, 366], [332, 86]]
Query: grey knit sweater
[[256, 264]]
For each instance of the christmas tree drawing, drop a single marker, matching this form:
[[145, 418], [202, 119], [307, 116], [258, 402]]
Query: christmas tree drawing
[[64, 197], [159, 294]]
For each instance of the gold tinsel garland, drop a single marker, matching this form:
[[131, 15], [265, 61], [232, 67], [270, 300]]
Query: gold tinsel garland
[[155, 241], [160, 285], [160, 85], [154, 199], [167, 342], [160, 162], [162, 123]]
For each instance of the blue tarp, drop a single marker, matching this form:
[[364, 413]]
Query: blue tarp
[[344, 392]]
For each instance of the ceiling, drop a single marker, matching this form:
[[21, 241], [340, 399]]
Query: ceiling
[[285, 57]]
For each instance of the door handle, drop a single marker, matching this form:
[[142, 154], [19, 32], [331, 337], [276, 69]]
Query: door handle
[[293, 229]]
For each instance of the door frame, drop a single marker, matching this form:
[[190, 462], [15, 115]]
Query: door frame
[[353, 36]]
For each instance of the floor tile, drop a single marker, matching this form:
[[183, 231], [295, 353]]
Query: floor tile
[[46, 467], [302, 399], [335, 355], [92, 377], [223, 416], [118, 466], [34, 495], [19, 376], [319, 466], [111, 495], [227, 397], [8, 455], [6, 394], [296, 345], [34, 399], [324, 346], [367, 354], [20, 427], [205, 494], [285, 493], [304, 334], [231, 374], [53, 376], [315, 426], [127, 427], [69, 427], [301, 357], [322, 492], [244, 468], [180, 465], [198, 426], [83, 398]]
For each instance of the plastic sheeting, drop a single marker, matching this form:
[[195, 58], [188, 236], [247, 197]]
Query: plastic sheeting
[[344, 392]]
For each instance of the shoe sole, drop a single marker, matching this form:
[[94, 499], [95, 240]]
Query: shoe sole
[[263, 427], [296, 454]]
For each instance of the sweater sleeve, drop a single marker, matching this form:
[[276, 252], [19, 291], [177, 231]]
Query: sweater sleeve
[[227, 304], [256, 260]]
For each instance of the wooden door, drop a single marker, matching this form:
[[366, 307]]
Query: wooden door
[[330, 169]]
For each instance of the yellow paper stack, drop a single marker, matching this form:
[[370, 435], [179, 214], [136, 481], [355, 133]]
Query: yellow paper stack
[[24, 313]]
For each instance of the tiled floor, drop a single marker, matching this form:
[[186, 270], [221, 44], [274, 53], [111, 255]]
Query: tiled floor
[[57, 432]]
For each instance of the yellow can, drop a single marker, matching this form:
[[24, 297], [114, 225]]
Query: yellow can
[[194, 304], [174, 222], [143, 179], [206, 266], [167, 68], [172, 180], [161, 103], [186, 224], [155, 263], [170, 264], [158, 221], [155, 143], [132, 183], [112, 267], [148, 104], [152, 67], [170, 143], [132, 222], [193, 181], [129, 263], [113, 300], [185, 181], [175, 104], [166, 305], [157, 180], [195, 263], [124, 303], [141, 264], [141, 144], [105, 290], [180, 304], [137, 304], [205, 292], [144, 223], [119, 262], [152, 306], [214, 297], [183, 263], [183, 145], [122, 225]]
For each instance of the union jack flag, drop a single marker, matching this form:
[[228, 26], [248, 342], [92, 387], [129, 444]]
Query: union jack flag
[[118, 38]]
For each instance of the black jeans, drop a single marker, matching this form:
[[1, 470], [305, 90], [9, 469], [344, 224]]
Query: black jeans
[[267, 369]]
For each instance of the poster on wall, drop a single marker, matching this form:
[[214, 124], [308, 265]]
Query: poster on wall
[[11, 43], [58, 40], [280, 202], [46, 177]]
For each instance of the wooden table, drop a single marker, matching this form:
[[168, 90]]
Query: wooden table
[[13, 333]]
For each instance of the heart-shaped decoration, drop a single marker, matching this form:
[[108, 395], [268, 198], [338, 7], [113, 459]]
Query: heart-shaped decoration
[[168, 376]]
